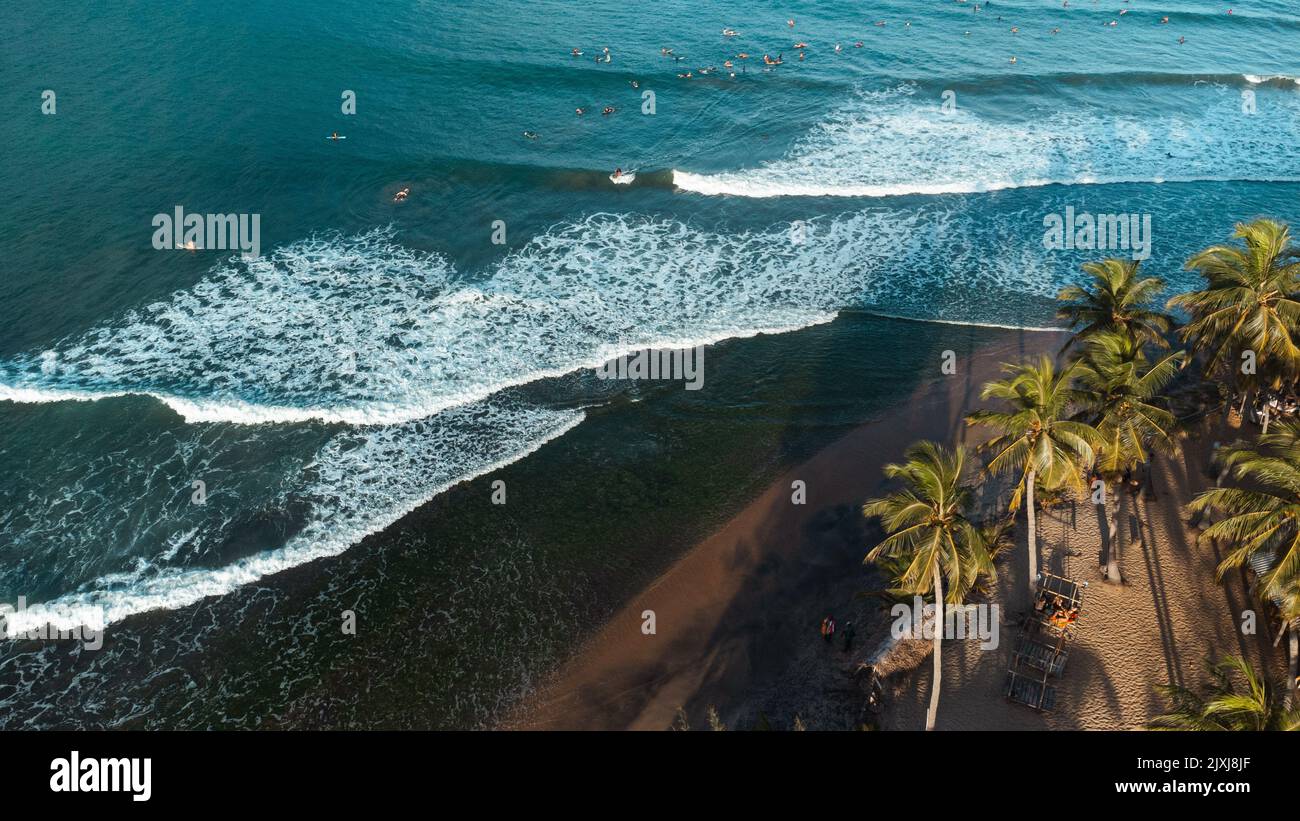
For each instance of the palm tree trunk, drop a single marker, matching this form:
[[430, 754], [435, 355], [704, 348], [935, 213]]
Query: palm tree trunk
[[1293, 645], [1033, 535], [1112, 524], [933, 712], [1264, 430]]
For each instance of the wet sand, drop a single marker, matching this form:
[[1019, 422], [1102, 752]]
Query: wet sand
[[736, 618]]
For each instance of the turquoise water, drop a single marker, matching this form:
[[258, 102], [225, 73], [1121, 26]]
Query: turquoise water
[[378, 353]]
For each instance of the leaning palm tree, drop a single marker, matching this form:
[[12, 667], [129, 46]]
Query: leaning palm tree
[[1035, 438], [933, 548], [1119, 395], [1117, 299], [1250, 304], [1238, 699], [1262, 514]]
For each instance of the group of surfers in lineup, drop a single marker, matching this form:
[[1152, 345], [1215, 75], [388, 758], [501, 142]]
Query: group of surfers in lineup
[[605, 56]]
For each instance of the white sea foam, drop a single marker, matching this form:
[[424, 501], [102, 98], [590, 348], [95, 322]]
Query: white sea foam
[[897, 142], [361, 482]]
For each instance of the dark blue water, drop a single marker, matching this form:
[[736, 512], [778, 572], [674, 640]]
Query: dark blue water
[[368, 359]]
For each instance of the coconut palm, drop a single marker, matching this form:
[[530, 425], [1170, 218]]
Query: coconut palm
[[1238, 699], [1262, 514], [1249, 304], [932, 547], [1289, 611], [1035, 438], [1119, 395], [1116, 299]]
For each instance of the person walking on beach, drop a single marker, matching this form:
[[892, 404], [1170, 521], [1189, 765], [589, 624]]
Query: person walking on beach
[[828, 629], [848, 635]]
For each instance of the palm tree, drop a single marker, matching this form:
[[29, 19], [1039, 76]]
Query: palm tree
[[1289, 611], [1249, 303], [1258, 705], [1116, 300], [1263, 513], [930, 541], [1119, 395], [1035, 438]]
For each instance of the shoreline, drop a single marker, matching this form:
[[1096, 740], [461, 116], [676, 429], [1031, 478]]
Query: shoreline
[[736, 616]]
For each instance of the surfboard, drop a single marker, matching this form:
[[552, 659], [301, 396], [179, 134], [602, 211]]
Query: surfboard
[[332, 139]]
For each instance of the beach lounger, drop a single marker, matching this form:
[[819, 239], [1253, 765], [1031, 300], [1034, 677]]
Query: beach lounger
[[1030, 692], [1046, 658]]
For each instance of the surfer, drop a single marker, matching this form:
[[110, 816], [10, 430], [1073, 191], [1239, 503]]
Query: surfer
[[335, 136], [532, 135], [401, 196], [618, 172], [575, 52], [580, 111], [607, 110]]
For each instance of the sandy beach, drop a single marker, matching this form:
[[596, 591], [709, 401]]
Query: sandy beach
[[736, 618]]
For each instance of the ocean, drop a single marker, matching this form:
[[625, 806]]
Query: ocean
[[222, 455]]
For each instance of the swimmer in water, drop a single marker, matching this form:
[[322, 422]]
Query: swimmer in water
[[790, 23], [1182, 40], [531, 135], [401, 196], [635, 84]]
